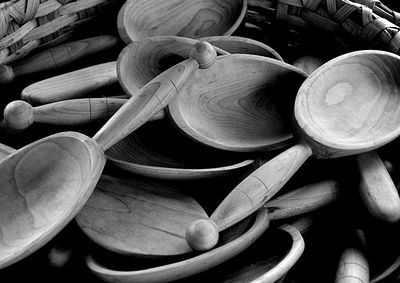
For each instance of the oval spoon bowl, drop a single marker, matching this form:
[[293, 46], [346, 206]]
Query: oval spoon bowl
[[193, 19], [244, 103], [368, 83]]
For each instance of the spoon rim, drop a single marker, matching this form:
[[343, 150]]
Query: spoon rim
[[173, 110], [342, 148], [126, 33]]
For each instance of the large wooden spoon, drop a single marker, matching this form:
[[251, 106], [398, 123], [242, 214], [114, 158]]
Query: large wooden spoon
[[46, 183], [347, 106], [287, 240], [144, 217], [160, 53], [198, 18]]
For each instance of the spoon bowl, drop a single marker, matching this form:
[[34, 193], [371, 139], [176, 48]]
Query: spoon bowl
[[193, 19], [350, 105], [347, 106]]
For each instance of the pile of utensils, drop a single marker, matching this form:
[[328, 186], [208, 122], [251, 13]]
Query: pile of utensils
[[211, 158]]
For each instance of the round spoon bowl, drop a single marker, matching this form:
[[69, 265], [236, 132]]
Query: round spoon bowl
[[44, 187], [193, 19], [368, 83], [244, 103]]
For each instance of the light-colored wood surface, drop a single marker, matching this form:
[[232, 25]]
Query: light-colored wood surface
[[174, 156], [244, 103], [19, 114], [353, 263], [46, 183], [350, 105], [139, 216], [377, 189], [242, 45], [330, 122], [303, 200], [259, 263], [60, 56], [70, 85], [193, 19]]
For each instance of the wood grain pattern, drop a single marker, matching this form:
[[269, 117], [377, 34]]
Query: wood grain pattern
[[350, 105], [193, 19], [70, 85], [187, 267], [242, 45], [377, 189], [47, 182], [330, 122], [44, 185], [138, 216], [260, 262], [62, 55], [353, 264], [174, 156], [154, 96], [303, 200], [19, 115], [244, 103]]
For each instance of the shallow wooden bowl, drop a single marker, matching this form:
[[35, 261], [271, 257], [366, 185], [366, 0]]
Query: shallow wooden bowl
[[243, 103], [139, 19], [271, 262], [174, 156], [242, 45]]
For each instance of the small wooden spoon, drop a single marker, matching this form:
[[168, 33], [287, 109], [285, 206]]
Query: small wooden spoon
[[160, 53], [198, 18], [57, 57], [376, 187], [288, 241], [145, 217], [347, 106], [46, 183]]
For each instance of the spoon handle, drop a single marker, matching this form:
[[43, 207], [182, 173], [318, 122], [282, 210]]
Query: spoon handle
[[153, 97], [353, 265], [71, 85], [377, 189], [58, 56], [305, 199], [260, 186]]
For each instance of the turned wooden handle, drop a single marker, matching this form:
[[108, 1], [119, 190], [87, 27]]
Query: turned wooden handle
[[153, 97], [252, 193], [377, 189], [353, 264], [70, 85], [305, 199], [59, 56], [259, 186]]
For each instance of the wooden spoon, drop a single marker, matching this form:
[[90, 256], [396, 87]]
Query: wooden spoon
[[243, 104], [330, 122], [160, 53], [46, 183], [287, 240], [144, 217], [376, 187], [198, 18], [57, 57], [353, 263]]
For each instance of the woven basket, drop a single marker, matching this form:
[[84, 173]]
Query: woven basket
[[28, 24], [350, 23]]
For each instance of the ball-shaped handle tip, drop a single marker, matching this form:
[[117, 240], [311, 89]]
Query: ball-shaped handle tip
[[202, 235], [204, 53], [6, 74], [18, 115]]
